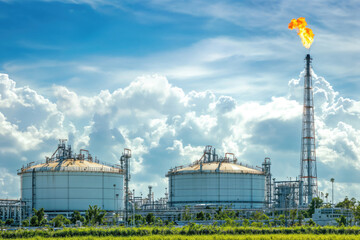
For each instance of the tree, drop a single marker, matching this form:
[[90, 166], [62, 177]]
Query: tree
[[341, 221], [257, 224], [39, 213], [305, 213], [326, 197], [9, 222], [229, 222], [34, 221], [150, 218], [348, 204], [139, 220], [311, 222], [25, 223], [293, 214], [266, 220], [115, 218], [60, 221], [158, 222], [94, 215], [43, 222], [258, 215], [357, 213], [76, 216], [300, 217], [230, 214], [38, 218], [200, 216], [326, 205], [315, 203], [281, 220], [1, 224], [186, 216], [218, 214], [246, 223]]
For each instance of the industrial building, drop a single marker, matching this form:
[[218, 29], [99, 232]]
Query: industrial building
[[300, 192], [213, 181], [12, 209], [67, 182], [328, 216], [287, 194]]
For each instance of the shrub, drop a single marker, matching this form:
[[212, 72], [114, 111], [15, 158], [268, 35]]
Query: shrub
[[9, 222]]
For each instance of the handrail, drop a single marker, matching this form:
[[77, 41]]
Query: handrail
[[72, 169]]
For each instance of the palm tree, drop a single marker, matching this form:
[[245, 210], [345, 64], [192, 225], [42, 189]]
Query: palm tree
[[326, 197], [332, 189]]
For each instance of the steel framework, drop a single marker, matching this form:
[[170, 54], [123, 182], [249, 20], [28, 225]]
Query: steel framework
[[268, 193], [13, 209], [287, 194], [308, 174], [125, 165]]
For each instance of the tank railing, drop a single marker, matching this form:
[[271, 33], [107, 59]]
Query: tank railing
[[220, 159], [108, 164], [74, 169], [176, 168], [31, 164], [247, 165], [195, 163], [225, 171], [27, 166]]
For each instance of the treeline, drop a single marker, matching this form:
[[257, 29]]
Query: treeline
[[93, 216], [191, 229]]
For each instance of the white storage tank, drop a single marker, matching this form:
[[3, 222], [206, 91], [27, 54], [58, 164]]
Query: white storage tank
[[216, 181], [66, 182]]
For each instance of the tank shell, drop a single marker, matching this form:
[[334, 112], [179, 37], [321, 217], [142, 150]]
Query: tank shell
[[72, 185], [217, 183]]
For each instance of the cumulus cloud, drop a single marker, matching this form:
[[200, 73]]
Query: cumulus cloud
[[166, 127], [6, 180], [337, 125], [26, 117]]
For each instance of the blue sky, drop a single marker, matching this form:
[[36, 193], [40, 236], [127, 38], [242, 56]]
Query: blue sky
[[169, 77]]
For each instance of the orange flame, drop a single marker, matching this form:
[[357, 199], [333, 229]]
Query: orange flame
[[306, 34]]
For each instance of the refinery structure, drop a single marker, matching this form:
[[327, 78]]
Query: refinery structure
[[68, 182], [215, 180]]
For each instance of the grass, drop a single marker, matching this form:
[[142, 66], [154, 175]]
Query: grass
[[216, 237], [187, 232]]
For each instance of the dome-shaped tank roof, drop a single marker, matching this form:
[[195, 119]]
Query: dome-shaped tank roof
[[72, 165], [210, 162], [64, 160], [224, 167]]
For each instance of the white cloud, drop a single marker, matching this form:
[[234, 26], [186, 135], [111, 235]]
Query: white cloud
[[9, 184], [188, 153], [26, 117], [165, 127]]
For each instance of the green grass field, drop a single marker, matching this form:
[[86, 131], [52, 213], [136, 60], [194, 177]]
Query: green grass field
[[188, 232], [217, 237]]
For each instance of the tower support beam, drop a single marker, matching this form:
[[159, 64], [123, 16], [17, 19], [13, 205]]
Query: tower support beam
[[125, 165], [308, 174]]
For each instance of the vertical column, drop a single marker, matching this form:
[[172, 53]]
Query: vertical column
[[308, 155], [266, 169], [33, 193], [125, 163]]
